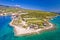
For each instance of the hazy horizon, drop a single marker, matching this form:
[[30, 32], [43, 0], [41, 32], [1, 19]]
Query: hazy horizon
[[44, 5]]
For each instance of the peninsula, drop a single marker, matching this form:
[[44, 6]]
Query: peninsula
[[28, 21], [31, 22]]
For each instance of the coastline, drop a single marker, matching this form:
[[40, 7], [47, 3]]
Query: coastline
[[19, 30]]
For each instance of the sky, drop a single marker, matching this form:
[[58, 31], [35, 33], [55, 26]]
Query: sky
[[44, 5]]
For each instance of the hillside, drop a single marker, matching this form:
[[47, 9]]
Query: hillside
[[9, 9], [34, 13], [29, 16]]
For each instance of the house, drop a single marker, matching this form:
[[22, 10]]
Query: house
[[34, 26]]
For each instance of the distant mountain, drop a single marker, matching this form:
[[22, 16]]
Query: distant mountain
[[10, 8], [3, 6], [16, 9], [58, 13]]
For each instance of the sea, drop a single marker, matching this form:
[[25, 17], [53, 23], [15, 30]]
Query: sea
[[7, 31]]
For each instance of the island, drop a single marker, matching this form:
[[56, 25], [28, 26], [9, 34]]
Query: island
[[26, 21], [31, 22]]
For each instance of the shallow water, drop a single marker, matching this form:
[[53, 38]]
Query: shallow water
[[6, 31]]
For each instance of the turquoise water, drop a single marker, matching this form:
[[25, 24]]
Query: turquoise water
[[6, 31]]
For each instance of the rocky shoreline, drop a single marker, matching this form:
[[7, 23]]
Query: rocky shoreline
[[19, 30]]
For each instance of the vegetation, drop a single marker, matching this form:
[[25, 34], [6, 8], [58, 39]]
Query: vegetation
[[36, 16]]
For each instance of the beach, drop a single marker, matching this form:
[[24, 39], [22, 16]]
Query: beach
[[19, 30], [8, 32]]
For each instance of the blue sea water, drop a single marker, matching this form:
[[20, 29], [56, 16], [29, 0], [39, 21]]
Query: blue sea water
[[7, 33]]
